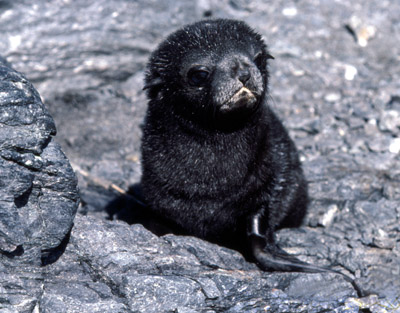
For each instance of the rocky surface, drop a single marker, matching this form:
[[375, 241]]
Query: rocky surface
[[335, 83], [136, 271], [38, 191]]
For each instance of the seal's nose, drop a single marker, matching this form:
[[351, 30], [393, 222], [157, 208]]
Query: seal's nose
[[244, 75]]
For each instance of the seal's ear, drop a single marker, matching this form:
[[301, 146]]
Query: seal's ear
[[153, 85], [154, 82]]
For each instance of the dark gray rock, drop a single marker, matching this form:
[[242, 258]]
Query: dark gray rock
[[334, 81], [128, 269], [38, 192]]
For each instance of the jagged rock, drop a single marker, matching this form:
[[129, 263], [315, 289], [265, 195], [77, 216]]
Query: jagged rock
[[87, 60], [38, 194], [38, 191], [128, 269]]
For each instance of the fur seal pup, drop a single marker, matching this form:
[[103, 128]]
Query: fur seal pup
[[216, 161]]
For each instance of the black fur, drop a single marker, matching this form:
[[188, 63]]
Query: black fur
[[217, 162]]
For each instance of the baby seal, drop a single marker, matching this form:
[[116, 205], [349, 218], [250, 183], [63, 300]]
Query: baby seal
[[216, 160]]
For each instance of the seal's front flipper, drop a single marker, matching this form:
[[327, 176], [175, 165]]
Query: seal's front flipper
[[269, 257]]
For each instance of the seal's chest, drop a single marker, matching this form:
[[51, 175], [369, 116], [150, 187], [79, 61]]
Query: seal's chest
[[212, 163]]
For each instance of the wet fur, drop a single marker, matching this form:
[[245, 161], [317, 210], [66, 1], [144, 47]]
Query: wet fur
[[218, 168], [209, 177]]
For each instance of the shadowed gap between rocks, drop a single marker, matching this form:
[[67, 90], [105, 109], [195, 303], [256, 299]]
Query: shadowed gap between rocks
[[50, 256]]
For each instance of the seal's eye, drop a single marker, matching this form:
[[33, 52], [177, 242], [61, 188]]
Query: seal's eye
[[198, 75]]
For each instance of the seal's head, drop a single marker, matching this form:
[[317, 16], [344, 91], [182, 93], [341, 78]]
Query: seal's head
[[213, 69]]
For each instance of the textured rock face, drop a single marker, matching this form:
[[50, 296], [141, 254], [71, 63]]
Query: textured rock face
[[38, 194], [335, 83], [38, 190], [128, 269]]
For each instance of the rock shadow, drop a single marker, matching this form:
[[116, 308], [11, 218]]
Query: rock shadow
[[132, 209]]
